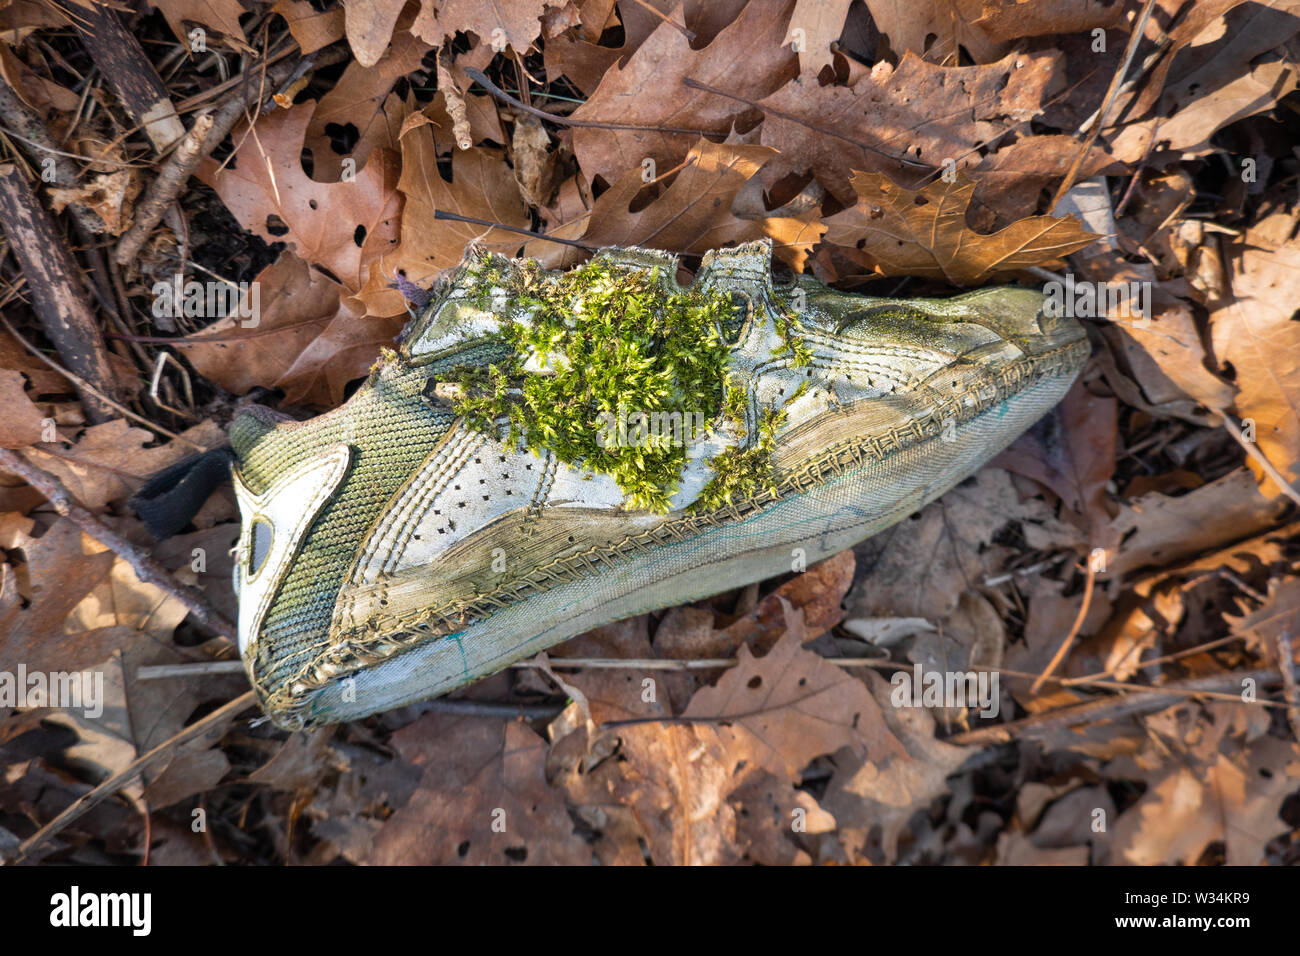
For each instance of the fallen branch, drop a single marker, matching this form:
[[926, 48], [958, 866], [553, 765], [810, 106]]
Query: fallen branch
[[24, 125], [128, 71], [182, 163], [58, 294], [146, 568]]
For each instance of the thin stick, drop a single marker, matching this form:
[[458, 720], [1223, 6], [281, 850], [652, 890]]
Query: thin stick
[[1111, 708], [57, 290], [481, 78], [209, 724], [1253, 451], [1286, 662], [146, 568], [455, 217], [1074, 632], [1116, 81]]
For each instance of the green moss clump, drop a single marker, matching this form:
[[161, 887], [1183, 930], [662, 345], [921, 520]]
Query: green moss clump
[[740, 473], [610, 342]]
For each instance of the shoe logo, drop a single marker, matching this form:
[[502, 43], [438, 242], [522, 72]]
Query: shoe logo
[[274, 524]]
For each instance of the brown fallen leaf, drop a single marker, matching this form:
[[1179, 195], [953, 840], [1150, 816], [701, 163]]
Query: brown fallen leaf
[[483, 799], [1158, 529], [516, 24], [692, 215], [749, 58], [818, 24], [23, 423], [361, 107], [369, 25], [341, 226], [1254, 333], [896, 231], [1072, 450], [219, 16], [310, 340], [311, 28], [885, 789], [110, 461], [1230, 800], [920, 568], [109, 195], [905, 121], [1279, 615], [482, 187]]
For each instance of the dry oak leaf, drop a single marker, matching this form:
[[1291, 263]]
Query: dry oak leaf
[[340, 226], [885, 790], [902, 120], [920, 568], [483, 799], [765, 720], [310, 28], [110, 461], [935, 29], [219, 16], [1279, 615], [369, 25], [819, 24], [23, 423], [692, 215], [899, 231], [311, 339], [584, 61], [516, 23], [482, 187], [1160, 530], [360, 105], [749, 59], [1231, 801], [1255, 332], [1072, 450], [780, 711]]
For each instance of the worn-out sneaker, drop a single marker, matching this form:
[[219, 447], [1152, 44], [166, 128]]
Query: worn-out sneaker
[[548, 452]]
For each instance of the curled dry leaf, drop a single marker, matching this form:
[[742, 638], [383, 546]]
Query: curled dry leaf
[[895, 231], [310, 338]]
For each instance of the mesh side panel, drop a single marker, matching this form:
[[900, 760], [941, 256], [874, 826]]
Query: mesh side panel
[[391, 430]]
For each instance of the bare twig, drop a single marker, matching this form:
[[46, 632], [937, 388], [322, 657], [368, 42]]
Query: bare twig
[[1116, 82], [1253, 451], [183, 162], [1111, 708], [146, 568], [1290, 690], [58, 294], [129, 72], [1074, 632], [163, 191]]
